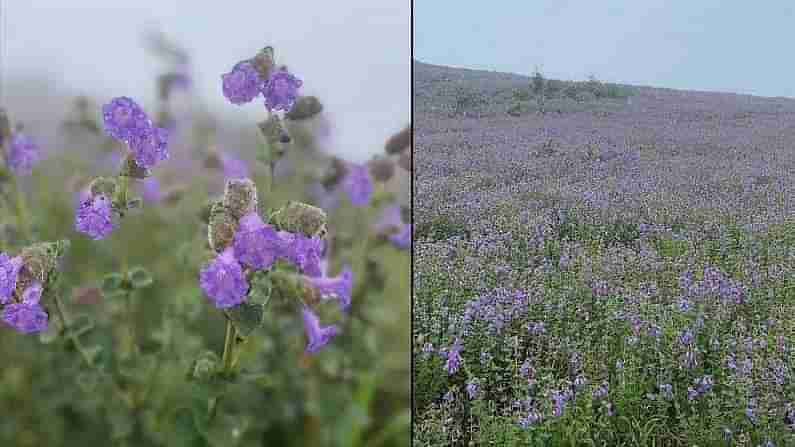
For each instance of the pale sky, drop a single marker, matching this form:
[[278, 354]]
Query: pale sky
[[353, 54], [712, 45]]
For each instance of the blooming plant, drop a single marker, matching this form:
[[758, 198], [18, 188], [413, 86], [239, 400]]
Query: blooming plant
[[582, 280], [194, 315]]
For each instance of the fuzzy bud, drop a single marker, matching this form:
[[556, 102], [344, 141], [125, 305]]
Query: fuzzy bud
[[405, 160], [240, 197], [204, 367], [334, 174], [38, 262], [102, 186], [396, 143], [264, 62], [290, 286], [298, 217], [130, 168], [5, 128], [272, 129], [381, 169], [305, 107], [221, 228], [207, 208]]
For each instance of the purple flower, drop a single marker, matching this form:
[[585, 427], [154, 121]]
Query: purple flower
[[23, 154], [257, 244], [150, 146], [223, 281], [9, 270], [151, 190], [402, 239], [318, 336], [124, 119], [95, 217], [358, 185], [303, 252], [472, 388], [242, 84], [339, 287], [233, 167], [28, 316], [281, 91], [389, 220], [454, 358]]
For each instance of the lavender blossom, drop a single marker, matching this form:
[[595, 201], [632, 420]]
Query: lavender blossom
[[95, 217], [223, 281], [454, 358], [149, 146], [28, 316], [23, 153], [303, 252], [242, 84], [256, 244], [358, 185], [281, 91], [124, 119], [339, 287], [318, 336], [9, 270]]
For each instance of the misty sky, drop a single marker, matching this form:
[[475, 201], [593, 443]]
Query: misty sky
[[713, 45], [353, 54]]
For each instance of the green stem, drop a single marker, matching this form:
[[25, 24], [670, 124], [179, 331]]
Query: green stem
[[227, 360], [75, 341], [22, 212], [124, 184]]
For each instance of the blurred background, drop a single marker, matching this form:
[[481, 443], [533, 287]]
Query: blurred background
[[353, 54], [127, 371]]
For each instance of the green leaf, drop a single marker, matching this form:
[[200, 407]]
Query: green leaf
[[140, 277], [261, 288], [113, 285], [135, 203], [246, 317]]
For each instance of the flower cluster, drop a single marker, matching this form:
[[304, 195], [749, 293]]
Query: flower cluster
[[126, 121], [23, 154], [247, 244], [245, 82], [22, 280]]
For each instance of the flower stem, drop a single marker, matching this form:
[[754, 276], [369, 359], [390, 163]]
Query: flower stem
[[227, 362], [229, 346], [22, 212]]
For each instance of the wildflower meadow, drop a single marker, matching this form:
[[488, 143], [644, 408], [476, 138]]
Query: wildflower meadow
[[600, 264], [159, 287]]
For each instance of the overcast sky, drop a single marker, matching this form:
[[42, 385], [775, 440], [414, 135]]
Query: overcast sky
[[353, 54], [734, 46]]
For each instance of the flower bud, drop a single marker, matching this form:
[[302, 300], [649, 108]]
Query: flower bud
[[38, 262], [264, 62], [207, 208], [298, 217], [5, 128], [240, 197], [381, 169], [221, 228], [334, 174], [102, 186], [405, 160], [304, 108], [130, 168], [272, 129], [204, 367], [396, 143]]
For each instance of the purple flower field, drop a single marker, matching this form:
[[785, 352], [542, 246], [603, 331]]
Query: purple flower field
[[601, 265]]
